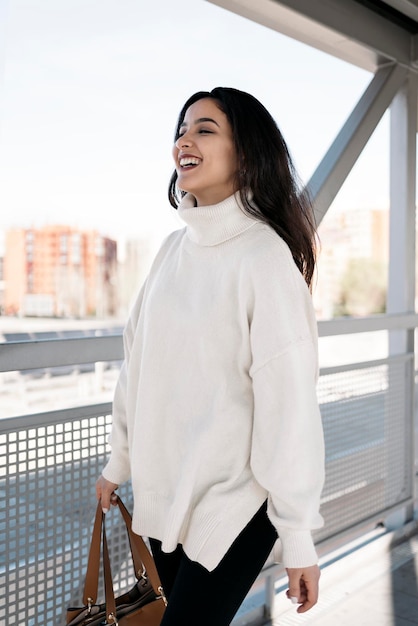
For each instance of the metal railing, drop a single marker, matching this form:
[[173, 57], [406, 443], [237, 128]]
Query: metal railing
[[49, 463]]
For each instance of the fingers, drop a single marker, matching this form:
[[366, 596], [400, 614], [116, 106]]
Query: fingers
[[294, 592], [303, 587], [105, 493]]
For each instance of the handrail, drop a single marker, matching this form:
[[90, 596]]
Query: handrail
[[34, 354], [50, 418], [373, 323]]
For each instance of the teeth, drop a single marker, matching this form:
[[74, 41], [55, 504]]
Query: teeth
[[189, 161]]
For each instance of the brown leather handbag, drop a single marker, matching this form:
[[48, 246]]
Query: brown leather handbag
[[143, 605]]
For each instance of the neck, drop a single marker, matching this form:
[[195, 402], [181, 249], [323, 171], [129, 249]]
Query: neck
[[216, 223]]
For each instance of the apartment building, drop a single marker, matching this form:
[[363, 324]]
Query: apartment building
[[59, 271]]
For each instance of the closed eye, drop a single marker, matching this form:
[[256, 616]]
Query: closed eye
[[201, 131]]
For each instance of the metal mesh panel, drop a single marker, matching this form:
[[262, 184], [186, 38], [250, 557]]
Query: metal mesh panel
[[47, 481], [367, 437]]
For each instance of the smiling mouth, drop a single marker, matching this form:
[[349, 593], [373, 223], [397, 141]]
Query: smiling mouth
[[189, 162]]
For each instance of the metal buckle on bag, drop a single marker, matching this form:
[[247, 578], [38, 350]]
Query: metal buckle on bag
[[162, 595], [89, 605], [112, 619]]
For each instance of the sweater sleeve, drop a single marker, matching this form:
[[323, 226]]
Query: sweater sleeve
[[287, 456], [287, 450], [117, 469]]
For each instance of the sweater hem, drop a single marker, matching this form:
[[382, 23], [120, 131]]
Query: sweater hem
[[205, 535]]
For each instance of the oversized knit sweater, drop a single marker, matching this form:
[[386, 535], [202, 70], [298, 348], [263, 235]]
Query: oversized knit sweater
[[215, 410]]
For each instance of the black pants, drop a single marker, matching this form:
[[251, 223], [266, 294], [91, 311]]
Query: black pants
[[197, 597]]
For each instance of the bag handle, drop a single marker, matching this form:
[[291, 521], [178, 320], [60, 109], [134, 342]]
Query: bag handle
[[108, 584], [141, 557], [92, 574], [138, 549]]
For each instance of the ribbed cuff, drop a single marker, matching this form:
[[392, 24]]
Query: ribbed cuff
[[114, 473], [295, 548]]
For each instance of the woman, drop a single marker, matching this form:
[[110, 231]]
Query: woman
[[215, 415]]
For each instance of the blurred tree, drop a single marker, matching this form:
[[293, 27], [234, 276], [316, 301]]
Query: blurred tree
[[363, 288]]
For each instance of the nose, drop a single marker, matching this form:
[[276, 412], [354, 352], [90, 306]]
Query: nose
[[183, 141]]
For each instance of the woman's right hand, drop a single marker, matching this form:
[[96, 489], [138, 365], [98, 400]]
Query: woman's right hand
[[105, 492]]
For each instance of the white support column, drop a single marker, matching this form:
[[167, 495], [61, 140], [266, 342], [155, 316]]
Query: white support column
[[399, 424], [401, 288]]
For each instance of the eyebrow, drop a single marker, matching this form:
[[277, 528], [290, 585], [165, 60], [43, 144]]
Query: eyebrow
[[200, 120]]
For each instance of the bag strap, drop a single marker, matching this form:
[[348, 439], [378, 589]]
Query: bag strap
[[108, 583], [92, 574], [141, 556], [142, 559]]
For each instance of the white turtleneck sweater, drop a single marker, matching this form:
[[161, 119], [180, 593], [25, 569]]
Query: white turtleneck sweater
[[215, 410]]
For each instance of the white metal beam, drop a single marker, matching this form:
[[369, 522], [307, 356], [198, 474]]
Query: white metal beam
[[337, 163], [403, 143], [347, 30], [407, 7], [401, 287]]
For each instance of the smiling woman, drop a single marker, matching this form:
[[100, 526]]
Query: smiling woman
[[215, 415], [247, 154]]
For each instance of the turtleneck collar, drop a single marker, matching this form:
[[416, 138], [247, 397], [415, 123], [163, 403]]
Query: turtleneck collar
[[214, 224]]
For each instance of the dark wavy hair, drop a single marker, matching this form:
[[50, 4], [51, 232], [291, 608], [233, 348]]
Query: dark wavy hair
[[265, 168]]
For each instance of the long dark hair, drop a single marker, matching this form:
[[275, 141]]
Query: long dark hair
[[266, 169]]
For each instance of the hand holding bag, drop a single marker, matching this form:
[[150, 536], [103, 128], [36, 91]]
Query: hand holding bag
[[143, 605]]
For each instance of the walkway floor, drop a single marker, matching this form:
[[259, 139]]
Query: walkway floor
[[376, 585]]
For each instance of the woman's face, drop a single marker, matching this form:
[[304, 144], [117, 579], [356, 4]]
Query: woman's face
[[204, 154]]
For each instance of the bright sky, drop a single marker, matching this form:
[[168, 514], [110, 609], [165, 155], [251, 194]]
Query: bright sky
[[91, 90]]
